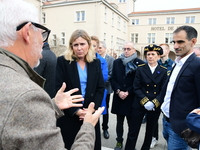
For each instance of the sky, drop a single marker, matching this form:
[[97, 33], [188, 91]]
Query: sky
[[149, 5]]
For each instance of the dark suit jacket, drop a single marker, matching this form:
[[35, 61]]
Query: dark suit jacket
[[186, 93], [67, 72], [110, 61], [125, 83], [148, 85]]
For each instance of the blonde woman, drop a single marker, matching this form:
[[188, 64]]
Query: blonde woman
[[79, 68]]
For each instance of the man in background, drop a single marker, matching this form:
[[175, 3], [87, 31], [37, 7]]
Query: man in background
[[102, 51], [197, 51], [123, 74], [47, 68]]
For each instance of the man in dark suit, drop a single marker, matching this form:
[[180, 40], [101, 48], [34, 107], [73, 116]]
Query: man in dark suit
[[122, 78], [109, 59], [181, 92]]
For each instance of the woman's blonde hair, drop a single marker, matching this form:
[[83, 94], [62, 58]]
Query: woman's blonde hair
[[90, 56]]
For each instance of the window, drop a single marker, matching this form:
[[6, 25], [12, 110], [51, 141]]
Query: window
[[43, 18], [151, 37], [190, 19], [118, 22], [120, 44], [105, 14], [168, 37], [80, 16], [135, 21], [54, 40], [124, 26], [63, 38], [134, 37], [152, 21], [170, 20], [122, 1], [113, 18], [111, 41], [104, 37]]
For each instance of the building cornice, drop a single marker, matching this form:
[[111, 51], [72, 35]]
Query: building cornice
[[165, 12], [67, 3]]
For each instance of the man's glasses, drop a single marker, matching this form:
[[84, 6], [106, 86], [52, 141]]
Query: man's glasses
[[45, 33], [128, 49]]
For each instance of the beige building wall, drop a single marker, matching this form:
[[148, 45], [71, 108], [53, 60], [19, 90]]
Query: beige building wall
[[111, 21], [101, 19], [161, 28]]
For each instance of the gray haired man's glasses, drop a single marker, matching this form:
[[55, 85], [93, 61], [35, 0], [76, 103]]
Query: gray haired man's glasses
[[45, 33]]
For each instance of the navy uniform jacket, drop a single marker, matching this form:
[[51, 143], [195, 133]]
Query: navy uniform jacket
[[124, 83], [186, 93], [147, 86]]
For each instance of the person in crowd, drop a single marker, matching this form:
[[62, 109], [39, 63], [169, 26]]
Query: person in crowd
[[122, 77], [109, 59], [28, 115], [104, 68], [80, 68], [181, 92], [149, 79], [47, 69], [166, 62], [197, 51]]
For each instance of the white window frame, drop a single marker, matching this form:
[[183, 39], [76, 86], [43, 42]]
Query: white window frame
[[104, 37], [105, 14], [151, 38], [152, 21], [190, 19], [113, 19], [134, 37], [168, 38], [43, 17], [118, 22], [81, 17], [135, 22], [122, 1], [63, 38], [170, 20], [54, 39]]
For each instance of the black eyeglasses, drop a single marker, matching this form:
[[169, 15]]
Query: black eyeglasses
[[45, 33], [128, 49]]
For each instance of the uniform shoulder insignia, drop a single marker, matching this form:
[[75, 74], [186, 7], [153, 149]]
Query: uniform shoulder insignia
[[163, 67], [141, 65]]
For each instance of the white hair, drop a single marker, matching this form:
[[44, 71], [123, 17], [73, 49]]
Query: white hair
[[12, 14]]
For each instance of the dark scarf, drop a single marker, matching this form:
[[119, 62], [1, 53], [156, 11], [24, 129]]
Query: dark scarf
[[128, 63]]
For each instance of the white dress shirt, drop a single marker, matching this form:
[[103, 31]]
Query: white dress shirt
[[166, 104]]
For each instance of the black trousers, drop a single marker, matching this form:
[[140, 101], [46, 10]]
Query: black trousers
[[120, 127], [106, 116], [134, 128]]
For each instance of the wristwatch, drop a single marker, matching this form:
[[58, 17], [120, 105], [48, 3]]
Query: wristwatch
[[118, 91]]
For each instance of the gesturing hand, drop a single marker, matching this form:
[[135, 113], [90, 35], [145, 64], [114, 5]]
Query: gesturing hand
[[93, 117], [64, 100]]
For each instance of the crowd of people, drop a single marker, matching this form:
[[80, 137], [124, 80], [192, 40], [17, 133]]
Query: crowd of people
[[59, 106]]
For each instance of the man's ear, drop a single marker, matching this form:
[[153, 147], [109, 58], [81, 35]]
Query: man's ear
[[26, 33], [194, 41]]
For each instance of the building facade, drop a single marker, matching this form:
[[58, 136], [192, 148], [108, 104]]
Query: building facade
[[113, 21]]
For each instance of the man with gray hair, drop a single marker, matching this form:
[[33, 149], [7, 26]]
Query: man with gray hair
[[123, 74], [102, 51], [28, 115]]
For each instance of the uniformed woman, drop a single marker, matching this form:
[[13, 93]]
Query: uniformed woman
[[147, 85]]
